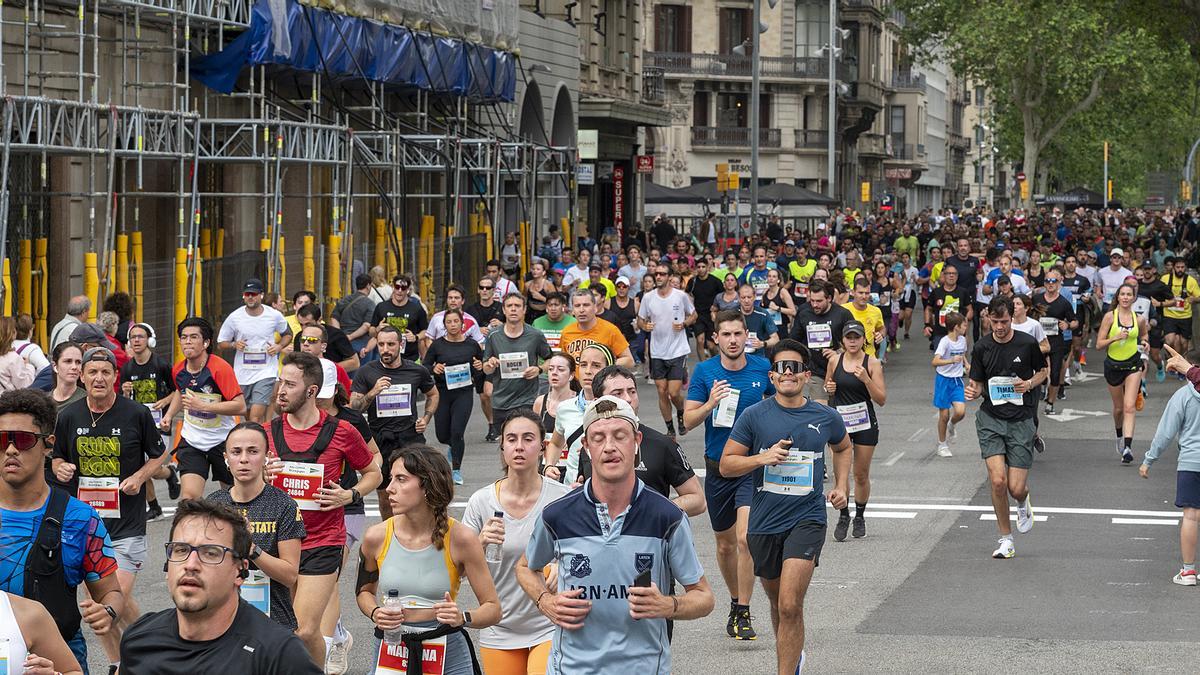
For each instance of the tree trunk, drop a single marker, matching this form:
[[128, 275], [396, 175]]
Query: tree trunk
[[1029, 164]]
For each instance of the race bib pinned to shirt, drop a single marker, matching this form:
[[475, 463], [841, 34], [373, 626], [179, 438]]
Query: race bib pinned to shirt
[[1049, 325], [855, 416], [156, 413], [301, 481], [513, 365], [200, 418], [393, 659], [1002, 390], [792, 477], [820, 335], [254, 359], [458, 376], [102, 494], [395, 401], [256, 590], [726, 410]]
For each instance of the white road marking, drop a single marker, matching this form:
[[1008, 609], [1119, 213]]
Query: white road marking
[[1078, 511], [1144, 521], [916, 434], [891, 461], [992, 517], [1070, 415], [902, 515]]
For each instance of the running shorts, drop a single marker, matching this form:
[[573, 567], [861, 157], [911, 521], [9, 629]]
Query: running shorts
[[804, 541]]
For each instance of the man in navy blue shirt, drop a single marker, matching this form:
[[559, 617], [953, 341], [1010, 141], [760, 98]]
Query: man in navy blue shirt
[[782, 441]]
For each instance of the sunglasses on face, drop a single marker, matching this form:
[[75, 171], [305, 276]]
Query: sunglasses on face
[[485, 287], [795, 367], [1052, 281], [250, 294], [21, 440], [310, 340], [401, 287]]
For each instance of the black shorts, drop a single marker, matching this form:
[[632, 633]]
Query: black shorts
[[1056, 365], [668, 369], [911, 303], [866, 436], [388, 446], [199, 462], [804, 540], [705, 328], [1180, 327], [1187, 490], [321, 560], [1115, 372]]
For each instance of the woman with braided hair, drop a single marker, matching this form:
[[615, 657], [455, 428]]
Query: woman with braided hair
[[419, 555]]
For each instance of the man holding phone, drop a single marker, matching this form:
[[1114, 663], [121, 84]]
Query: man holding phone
[[607, 604], [782, 440]]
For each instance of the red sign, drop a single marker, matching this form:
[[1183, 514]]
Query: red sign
[[645, 163], [394, 658], [618, 177], [1021, 176], [301, 481]]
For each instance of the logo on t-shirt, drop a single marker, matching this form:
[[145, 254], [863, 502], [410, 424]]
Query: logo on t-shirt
[[1017, 360], [643, 562], [815, 427], [579, 566]]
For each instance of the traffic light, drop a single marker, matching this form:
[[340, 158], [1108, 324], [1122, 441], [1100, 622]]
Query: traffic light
[[1185, 191], [1108, 193], [722, 177], [866, 192], [1025, 190]]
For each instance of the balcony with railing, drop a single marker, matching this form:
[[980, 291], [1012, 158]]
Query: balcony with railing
[[734, 137], [871, 5], [872, 145], [908, 81], [654, 86], [812, 139], [687, 64], [907, 152]]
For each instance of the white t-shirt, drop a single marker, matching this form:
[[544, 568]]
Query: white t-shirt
[[948, 349], [574, 275], [1031, 327], [522, 624], [32, 353], [505, 286], [258, 332], [665, 341], [437, 327], [1111, 280]]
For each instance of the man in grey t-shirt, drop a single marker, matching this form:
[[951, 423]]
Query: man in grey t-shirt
[[353, 313], [512, 360]]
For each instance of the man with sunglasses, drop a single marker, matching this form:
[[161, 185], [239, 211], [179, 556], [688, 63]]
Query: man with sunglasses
[[404, 313], [210, 629], [250, 331], [48, 536], [1058, 320], [106, 448], [782, 440]]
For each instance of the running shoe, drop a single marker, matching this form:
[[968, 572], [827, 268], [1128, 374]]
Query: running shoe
[[743, 629], [800, 666], [173, 487], [1025, 515], [843, 525], [1141, 401], [337, 661], [458, 480], [670, 428], [1067, 378], [731, 624], [951, 433], [1185, 578], [1049, 408], [1006, 550], [154, 512], [1039, 444], [1126, 456], [943, 450], [491, 437], [860, 527], [1161, 376], [682, 428]]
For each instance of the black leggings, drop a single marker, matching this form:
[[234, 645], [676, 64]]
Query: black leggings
[[450, 421]]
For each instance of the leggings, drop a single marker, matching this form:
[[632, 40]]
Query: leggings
[[523, 661], [450, 421]]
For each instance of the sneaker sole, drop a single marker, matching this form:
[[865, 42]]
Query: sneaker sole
[[996, 556], [1177, 582]]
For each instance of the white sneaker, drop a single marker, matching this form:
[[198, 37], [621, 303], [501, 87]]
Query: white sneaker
[[943, 450], [950, 431], [1025, 516], [1006, 549], [1185, 578], [337, 661]]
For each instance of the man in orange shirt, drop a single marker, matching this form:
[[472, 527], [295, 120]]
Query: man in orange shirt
[[589, 329]]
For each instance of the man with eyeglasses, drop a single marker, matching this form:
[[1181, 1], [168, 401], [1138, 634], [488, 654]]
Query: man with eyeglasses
[[404, 313], [782, 440], [337, 346], [146, 379], [250, 331], [106, 448], [45, 528], [1058, 320], [210, 629]]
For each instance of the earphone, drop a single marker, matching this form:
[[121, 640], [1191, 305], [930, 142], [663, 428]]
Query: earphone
[[151, 338]]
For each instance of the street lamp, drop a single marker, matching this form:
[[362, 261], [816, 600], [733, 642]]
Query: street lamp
[[833, 51], [755, 44]]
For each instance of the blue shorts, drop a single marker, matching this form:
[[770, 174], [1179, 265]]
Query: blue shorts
[[1187, 489], [946, 391], [725, 496]]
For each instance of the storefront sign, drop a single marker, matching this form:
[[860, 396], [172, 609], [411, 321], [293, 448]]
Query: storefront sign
[[589, 143], [585, 174], [618, 177], [645, 163]]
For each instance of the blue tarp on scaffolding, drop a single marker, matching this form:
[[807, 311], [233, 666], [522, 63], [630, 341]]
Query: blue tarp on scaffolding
[[348, 47]]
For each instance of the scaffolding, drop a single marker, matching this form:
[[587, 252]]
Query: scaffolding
[[127, 169]]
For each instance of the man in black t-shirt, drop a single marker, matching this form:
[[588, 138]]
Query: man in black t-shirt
[[704, 289], [818, 326], [206, 564], [337, 346], [404, 313], [146, 379], [950, 296], [1007, 367], [1057, 319], [106, 448], [387, 390], [661, 464], [1153, 289]]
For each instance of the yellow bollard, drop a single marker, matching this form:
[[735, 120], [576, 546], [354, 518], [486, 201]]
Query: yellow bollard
[[198, 281], [206, 243], [310, 263], [8, 288], [523, 245], [565, 232], [108, 285], [220, 245], [380, 242], [333, 271], [122, 263], [281, 288], [138, 277], [425, 258], [24, 278], [91, 283], [181, 291], [39, 252], [264, 245]]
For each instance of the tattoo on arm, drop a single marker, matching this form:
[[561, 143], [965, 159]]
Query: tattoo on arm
[[366, 577]]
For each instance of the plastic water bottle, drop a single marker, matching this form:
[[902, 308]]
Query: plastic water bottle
[[392, 601], [492, 552]]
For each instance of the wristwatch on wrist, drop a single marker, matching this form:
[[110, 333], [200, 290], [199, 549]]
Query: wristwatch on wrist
[[355, 496], [467, 619], [255, 551], [111, 612]]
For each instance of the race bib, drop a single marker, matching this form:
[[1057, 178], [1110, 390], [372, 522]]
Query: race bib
[[1181, 303], [943, 312], [1050, 325], [203, 420], [395, 401], [458, 376], [856, 416], [726, 410], [793, 477], [256, 590], [820, 335], [393, 659], [750, 335], [156, 413], [513, 365], [760, 287], [802, 289], [254, 360], [301, 481], [776, 316], [102, 494], [1002, 390], [552, 338]]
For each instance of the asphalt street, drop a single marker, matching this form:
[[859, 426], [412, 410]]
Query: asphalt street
[[1089, 589]]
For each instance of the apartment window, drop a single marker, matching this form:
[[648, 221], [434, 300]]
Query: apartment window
[[896, 125], [615, 33], [979, 96], [733, 110], [735, 27], [673, 28], [700, 109], [812, 26]]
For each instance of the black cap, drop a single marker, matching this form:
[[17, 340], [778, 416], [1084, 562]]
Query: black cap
[[854, 327], [89, 333], [100, 354], [595, 266], [253, 286]]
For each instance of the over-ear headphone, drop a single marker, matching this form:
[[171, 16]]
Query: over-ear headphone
[[151, 338]]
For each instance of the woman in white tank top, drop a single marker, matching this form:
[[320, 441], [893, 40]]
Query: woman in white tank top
[[30, 642]]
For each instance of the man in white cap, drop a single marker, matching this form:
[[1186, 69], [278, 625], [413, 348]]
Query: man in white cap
[[607, 597], [1110, 278]]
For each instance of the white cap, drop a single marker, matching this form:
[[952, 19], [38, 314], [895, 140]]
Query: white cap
[[622, 410], [1117, 251], [622, 280], [329, 383]]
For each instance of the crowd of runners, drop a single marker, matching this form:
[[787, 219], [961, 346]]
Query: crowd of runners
[[283, 418]]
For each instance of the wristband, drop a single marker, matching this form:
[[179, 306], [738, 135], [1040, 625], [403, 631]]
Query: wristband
[[675, 602], [371, 616], [538, 603]]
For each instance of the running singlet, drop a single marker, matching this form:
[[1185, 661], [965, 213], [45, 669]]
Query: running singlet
[[1122, 350], [87, 552], [1182, 289]]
